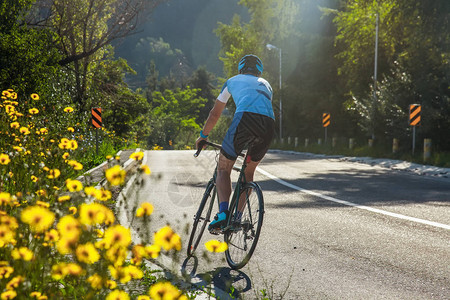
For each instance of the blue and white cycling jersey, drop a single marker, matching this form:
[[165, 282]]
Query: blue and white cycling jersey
[[250, 94]]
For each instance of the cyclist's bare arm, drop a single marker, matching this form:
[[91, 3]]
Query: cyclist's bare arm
[[213, 117]]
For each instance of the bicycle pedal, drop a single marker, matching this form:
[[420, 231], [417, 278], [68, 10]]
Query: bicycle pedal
[[216, 231]]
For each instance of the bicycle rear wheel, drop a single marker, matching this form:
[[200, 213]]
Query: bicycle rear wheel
[[243, 231], [201, 218]]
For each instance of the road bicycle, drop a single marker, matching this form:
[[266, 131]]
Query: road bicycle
[[244, 222]]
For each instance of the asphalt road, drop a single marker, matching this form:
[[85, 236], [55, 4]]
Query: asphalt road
[[332, 229]]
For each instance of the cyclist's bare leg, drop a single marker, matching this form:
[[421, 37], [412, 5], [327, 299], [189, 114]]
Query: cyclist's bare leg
[[249, 172], [223, 180]]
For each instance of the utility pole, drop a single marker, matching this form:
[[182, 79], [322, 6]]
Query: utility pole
[[270, 47]]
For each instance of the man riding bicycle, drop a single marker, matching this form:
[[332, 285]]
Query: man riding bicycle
[[252, 125]]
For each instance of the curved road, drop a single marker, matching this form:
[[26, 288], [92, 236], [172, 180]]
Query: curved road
[[332, 229]]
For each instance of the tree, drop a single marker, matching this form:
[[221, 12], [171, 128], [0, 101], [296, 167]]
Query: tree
[[125, 111], [85, 27], [413, 45], [202, 80], [173, 116]]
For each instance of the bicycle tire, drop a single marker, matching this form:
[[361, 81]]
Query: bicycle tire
[[201, 218], [240, 233]]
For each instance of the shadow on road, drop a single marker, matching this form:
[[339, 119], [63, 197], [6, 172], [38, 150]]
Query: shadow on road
[[223, 282]]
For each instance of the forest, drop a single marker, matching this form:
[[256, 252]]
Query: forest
[[155, 67]]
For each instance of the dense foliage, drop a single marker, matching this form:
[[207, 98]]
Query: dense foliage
[[328, 52]]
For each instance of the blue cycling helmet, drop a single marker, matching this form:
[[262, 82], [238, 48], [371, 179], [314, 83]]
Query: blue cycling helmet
[[250, 64]]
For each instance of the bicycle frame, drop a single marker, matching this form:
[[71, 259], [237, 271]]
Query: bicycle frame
[[244, 223], [240, 182]]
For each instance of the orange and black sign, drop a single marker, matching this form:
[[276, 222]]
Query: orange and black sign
[[326, 119], [96, 117], [414, 114]]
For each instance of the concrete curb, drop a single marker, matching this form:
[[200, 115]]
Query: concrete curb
[[399, 165]]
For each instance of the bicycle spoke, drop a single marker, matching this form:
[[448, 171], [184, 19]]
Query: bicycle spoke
[[244, 226]]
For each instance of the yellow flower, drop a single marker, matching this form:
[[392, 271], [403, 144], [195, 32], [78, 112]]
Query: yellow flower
[[24, 130], [5, 269], [53, 173], [39, 218], [75, 165], [41, 192], [70, 129], [38, 296], [51, 236], [22, 253], [87, 253], [9, 294], [5, 198], [94, 213], [167, 239], [103, 195], [35, 96], [9, 221], [216, 246], [43, 131], [138, 254], [66, 246], [69, 228], [108, 157], [153, 251], [68, 109], [10, 109], [115, 175], [6, 235], [65, 155], [146, 209], [117, 255], [33, 111], [95, 281], [34, 178], [90, 191], [15, 125], [117, 235], [43, 204], [73, 145], [73, 210], [110, 284], [74, 185], [165, 290], [17, 148], [137, 155], [74, 269], [145, 169], [4, 159], [118, 295], [61, 270], [64, 144], [14, 283], [143, 297], [63, 198]]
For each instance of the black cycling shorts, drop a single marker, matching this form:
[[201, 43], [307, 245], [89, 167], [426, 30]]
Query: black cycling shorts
[[248, 130]]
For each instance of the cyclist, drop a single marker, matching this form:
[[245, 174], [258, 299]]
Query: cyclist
[[253, 124]]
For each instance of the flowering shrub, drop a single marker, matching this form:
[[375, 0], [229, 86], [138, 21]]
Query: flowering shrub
[[58, 238]]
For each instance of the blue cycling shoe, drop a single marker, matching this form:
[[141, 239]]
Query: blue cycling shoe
[[220, 221]]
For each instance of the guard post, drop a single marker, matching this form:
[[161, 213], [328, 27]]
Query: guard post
[[96, 117], [414, 120], [325, 123]]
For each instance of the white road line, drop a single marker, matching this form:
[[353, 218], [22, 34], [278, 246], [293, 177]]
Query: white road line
[[375, 210]]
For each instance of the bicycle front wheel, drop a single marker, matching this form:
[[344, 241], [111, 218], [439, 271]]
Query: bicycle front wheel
[[201, 218], [244, 225]]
